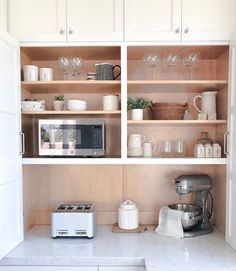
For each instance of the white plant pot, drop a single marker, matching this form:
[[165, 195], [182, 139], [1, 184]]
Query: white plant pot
[[58, 105], [137, 114]]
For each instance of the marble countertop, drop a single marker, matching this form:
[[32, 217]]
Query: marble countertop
[[208, 252]]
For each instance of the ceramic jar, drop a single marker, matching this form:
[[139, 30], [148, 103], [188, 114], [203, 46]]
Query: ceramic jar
[[128, 215]]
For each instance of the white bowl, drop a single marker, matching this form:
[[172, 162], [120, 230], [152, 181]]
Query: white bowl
[[76, 105], [135, 152]]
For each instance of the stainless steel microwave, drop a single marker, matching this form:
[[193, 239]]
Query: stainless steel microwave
[[85, 138]]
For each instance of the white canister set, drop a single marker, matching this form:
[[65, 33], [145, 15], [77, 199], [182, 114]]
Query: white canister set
[[207, 150], [33, 73]]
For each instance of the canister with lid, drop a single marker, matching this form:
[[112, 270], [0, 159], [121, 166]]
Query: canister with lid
[[128, 215]]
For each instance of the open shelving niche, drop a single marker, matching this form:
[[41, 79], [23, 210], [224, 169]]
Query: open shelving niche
[[210, 75], [91, 91], [162, 85]]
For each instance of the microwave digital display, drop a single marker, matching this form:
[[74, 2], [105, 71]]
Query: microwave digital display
[[71, 137]]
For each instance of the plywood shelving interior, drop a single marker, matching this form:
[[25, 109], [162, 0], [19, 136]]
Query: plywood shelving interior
[[90, 91], [105, 181]]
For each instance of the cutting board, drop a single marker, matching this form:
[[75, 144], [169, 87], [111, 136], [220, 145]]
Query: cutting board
[[141, 228]]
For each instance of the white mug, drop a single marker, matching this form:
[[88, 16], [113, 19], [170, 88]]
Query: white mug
[[110, 102], [46, 74], [30, 73], [148, 148], [208, 102], [136, 140]]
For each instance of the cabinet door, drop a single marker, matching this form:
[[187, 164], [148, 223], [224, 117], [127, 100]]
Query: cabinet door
[[231, 166], [48, 268], [205, 20], [152, 20], [121, 268], [3, 15], [93, 20], [37, 20], [11, 220]]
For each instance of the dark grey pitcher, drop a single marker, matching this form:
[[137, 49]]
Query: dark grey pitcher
[[105, 71]]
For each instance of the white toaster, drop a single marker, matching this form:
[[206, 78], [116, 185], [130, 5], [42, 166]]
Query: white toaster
[[74, 220]]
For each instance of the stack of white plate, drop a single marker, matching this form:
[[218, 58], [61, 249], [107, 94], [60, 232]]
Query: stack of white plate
[[33, 105], [76, 105], [135, 152], [92, 76]]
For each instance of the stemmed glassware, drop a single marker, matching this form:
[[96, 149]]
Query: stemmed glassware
[[170, 62], [151, 60], [191, 61], [70, 66]]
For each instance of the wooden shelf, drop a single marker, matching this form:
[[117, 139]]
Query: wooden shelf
[[175, 86], [86, 112], [124, 161], [175, 122], [177, 161], [72, 86]]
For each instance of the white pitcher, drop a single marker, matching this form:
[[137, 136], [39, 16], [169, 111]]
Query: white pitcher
[[208, 102], [136, 141]]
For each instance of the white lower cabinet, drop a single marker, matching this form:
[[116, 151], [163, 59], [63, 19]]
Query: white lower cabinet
[[48, 268], [121, 268]]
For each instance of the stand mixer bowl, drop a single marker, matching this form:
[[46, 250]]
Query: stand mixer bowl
[[191, 214]]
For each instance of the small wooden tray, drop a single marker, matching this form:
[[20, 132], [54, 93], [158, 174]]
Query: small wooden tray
[[141, 228]]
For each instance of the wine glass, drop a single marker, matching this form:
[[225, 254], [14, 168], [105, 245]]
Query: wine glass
[[64, 64], [151, 60], [76, 64], [171, 61], [191, 61]]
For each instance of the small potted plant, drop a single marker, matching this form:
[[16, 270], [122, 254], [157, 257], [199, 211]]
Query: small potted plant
[[58, 102], [136, 106]]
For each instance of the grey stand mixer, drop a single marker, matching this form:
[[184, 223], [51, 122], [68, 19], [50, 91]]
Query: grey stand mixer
[[200, 185]]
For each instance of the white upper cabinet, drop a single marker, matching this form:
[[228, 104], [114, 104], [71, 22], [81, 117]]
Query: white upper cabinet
[[37, 20], [61, 20], [204, 20], [89, 20], [176, 20], [152, 20]]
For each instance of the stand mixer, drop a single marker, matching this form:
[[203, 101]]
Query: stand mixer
[[200, 185]]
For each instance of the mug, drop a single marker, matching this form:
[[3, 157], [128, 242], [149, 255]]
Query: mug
[[110, 102], [30, 73], [105, 71], [136, 141], [45, 74], [148, 148], [208, 102]]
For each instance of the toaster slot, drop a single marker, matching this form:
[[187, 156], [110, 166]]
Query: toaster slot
[[80, 232], [62, 232]]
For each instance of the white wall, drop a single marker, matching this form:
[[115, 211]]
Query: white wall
[[3, 15]]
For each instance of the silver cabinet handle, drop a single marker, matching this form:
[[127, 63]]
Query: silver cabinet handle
[[62, 31], [22, 143], [226, 152], [186, 30], [70, 31], [177, 30]]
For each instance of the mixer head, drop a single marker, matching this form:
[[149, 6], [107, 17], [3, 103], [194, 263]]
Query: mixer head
[[185, 184]]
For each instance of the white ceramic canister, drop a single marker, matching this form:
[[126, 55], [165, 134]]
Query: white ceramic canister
[[110, 102], [46, 74], [216, 150], [136, 140], [199, 151], [30, 73], [128, 215], [208, 150]]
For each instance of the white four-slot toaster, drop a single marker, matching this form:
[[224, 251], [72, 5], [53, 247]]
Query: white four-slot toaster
[[73, 220]]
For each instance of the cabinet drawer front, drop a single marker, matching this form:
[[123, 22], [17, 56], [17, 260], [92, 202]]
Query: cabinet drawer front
[[35, 21], [48, 268], [92, 20], [156, 20]]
